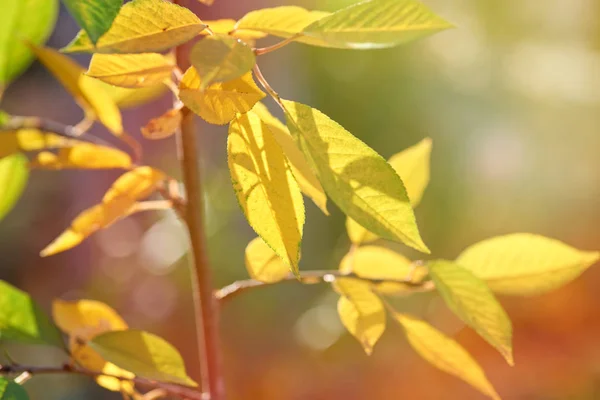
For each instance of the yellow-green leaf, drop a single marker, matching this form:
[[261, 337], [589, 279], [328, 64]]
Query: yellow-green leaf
[[227, 27], [25, 140], [82, 156], [88, 92], [221, 58], [361, 311], [10, 390], [306, 178], [129, 98], [265, 186], [444, 353], [412, 165], [219, 102], [263, 264], [131, 70], [143, 26], [374, 262], [94, 16], [354, 176], [146, 355], [163, 126], [525, 264], [473, 302], [376, 24], [14, 174]]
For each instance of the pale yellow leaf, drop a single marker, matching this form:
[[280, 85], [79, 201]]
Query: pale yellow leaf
[[143, 26], [361, 311], [88, 92], [164, 126], [265, 186], [131, 70], [129, 98], [473, 302], [82, 156], [207, 2], [306, 178], [444, 353], [354, 176], [263, 264], [525, 264], [25, 140], [227, 26], [219, 102], [134, 185], [412, 165]]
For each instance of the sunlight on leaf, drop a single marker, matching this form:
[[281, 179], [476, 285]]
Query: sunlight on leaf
[[164, 126], [265, 186], [94, 16], [14, 174], [10, 390], [22, 320], [131, 70], [144, 354], [361, 311], [219, 102], [227, 26], [355, 177], [306, 178], [130, 98], [26, 140], [444, 353], [82, 156], [525, 264], [263, 264], [376, 24], [143, 26], [473, 302]]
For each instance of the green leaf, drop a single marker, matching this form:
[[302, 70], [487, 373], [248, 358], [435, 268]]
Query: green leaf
[[31, 20], [94, 16], [444, 353], [361, 311], [473, 302], [14, 173], [10, 390], [221, 58], [376, 24], [144, 354], [265, 186], [22, 320], [356, 178], [525, 264]]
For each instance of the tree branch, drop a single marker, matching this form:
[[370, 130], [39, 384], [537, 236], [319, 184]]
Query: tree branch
[[172, 389]]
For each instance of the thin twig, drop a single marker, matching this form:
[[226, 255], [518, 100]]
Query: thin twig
[[312, 277], [261, 79], [264, 50], [182, 392]]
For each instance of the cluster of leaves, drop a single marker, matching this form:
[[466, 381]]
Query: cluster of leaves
[[272, 166]]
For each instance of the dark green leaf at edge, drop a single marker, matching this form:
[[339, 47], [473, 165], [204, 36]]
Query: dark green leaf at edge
[[94, 16], [10, 390]]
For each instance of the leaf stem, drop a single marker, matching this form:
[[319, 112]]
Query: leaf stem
[[264, 50], [261, 79]]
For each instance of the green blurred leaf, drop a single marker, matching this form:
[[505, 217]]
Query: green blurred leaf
[[22, 320], [14, 173], [356, 178], [444, 353], [20, 20], [94, 16], [376, 24], [144, 354], [473, 302], [525, 264], [221, 58], [10, 390]]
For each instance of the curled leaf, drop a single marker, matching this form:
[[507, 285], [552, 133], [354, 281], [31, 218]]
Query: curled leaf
[[164, 126]]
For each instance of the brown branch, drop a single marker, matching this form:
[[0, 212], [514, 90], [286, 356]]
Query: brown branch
[[172, 389], [313, 277]]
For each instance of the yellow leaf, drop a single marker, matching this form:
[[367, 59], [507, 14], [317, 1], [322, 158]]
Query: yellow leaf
[[374, 262], [412, 165], [525, 264], [118, 202], [361, 311], [88, 92], [219, 102], [444, 353], [263, 264], [163, 126], [265, 187], [376, 24], [131, 70], [227, 26], [83, 156], [473, 302], [143, 26], [25, 140], [129, 98], [307, 180], [354, 176]]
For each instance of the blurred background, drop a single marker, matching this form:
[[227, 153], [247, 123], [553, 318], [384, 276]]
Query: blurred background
[[511, 99]]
